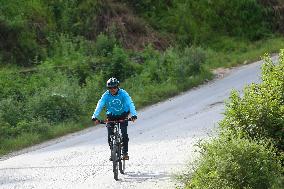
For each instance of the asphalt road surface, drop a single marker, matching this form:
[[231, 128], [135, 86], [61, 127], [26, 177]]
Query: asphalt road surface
[[162, 142]]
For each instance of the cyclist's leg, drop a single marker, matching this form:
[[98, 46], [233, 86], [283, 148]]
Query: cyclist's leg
[[109, 133], [125, 139]]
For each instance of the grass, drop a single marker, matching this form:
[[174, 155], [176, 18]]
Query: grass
[[20, 142], [28, 139], [232, 52], [147, 95]]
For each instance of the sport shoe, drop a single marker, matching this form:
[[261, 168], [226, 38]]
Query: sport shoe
[[125, 156]]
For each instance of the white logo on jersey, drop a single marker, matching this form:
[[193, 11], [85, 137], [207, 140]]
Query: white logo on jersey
[[116, 105]]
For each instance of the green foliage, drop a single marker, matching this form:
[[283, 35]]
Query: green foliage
[[31, 101], [235, 163], [71, 54], [59, 101], [229, 52], [19, 142], [259, 113], [11, 111], [23, 28], [30, 138], [118, 65], [76, 17], [192, 60], [148, 5], [10, 85], [200, 21], [245, 18], [154, 10], [81, 58], [173, 66], [167, 74], [47, 98], [92, 90], [104, 45], [5, 130], [248, 151], [33, 126], [112, 60], [27, 26]]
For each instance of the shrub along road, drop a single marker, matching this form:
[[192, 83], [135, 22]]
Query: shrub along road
[[161, 144]]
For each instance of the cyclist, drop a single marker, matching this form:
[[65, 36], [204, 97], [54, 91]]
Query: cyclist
[[119, 105]]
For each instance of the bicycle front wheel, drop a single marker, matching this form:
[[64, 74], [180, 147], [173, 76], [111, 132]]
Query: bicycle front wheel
[[115, 160]]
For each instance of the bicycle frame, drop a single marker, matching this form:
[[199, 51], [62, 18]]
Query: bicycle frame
[[117, 145]]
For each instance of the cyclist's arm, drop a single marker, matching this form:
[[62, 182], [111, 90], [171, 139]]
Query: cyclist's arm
[[130, 103], [101, 103]]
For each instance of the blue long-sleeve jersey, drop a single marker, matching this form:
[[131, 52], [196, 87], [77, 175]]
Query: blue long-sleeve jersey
[[115, 104]]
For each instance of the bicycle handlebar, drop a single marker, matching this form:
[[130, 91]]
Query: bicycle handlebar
[[115, 121]]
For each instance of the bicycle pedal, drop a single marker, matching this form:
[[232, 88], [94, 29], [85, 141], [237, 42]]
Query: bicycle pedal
[[125, 158]]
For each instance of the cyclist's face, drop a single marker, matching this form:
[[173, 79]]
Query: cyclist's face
[[113, 90]]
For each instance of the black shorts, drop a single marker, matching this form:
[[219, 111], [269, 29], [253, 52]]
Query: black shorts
[[112, 117]]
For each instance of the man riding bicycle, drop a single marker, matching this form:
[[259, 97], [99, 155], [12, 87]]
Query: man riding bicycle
[[119, 105]]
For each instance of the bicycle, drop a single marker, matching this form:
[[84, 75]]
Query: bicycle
[[116, 151]]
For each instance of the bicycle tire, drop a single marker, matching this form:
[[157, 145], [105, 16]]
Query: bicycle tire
[[122, 166], [120, 158], [114, 162]]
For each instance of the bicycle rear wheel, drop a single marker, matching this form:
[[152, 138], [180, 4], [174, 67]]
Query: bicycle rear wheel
[[122, 166]]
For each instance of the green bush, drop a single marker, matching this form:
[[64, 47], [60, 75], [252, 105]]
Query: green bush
[[6, 130], [77, 17], [73, 55], [259, 112], [33, 126], [24, 27], [94, 87], [148, 6], [47, 97], [200, 21], [173, 65], [61, 100], [11, 85], [55, 108], [235, 163], [11, 111], [244, 18], [104, 45], [166, 74], [155, 11], [192, 60], [116, 63]]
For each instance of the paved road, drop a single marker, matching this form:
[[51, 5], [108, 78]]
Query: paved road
[[161, 144]]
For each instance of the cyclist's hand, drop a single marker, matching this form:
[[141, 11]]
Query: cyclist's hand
[[96, 121], [133, 118]]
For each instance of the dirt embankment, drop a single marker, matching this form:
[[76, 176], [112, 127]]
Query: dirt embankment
[[134, 32]]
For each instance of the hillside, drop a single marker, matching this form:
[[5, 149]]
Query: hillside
[[55, 56], [28, 28]]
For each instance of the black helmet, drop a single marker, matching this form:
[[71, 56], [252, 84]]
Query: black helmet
[[112, 82]]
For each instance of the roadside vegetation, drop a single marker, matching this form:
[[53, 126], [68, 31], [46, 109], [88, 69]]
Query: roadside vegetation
[[55, 56], [248, 153]]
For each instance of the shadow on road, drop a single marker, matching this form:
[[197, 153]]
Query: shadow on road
[[6, 181], [145, 176]]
